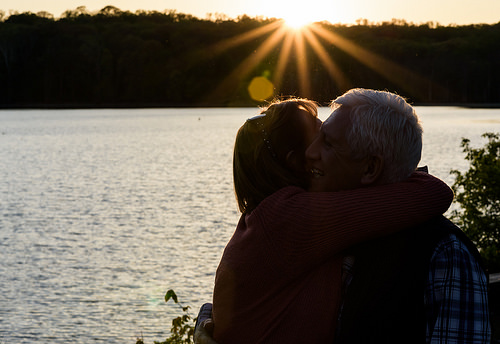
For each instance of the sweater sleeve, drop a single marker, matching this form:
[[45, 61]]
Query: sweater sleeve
[[306, 227]]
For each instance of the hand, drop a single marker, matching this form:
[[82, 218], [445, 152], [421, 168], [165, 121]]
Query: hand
[[203, 333]]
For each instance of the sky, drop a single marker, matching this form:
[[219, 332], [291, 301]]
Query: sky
[[444, 12]]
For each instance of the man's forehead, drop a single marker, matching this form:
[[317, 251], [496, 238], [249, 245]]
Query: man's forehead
[[329, 121], [327, 129], [329, 118], [335, 124]]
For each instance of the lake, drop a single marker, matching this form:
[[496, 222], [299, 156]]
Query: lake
[[103, 211]]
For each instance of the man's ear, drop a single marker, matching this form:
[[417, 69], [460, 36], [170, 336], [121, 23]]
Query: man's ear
[[373, 170]]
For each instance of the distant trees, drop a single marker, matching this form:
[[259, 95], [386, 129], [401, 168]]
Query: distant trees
[[150, 58]]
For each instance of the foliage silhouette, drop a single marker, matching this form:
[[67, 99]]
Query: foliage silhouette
[[150, 58], [182, 330], [478, 193]]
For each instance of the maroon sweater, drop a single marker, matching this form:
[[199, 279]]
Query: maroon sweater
[[279, 278]]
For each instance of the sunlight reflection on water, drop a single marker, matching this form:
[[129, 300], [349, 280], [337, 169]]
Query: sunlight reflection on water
[[102, 211]]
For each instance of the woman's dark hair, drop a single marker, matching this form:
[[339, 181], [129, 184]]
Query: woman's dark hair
[[260, 164]]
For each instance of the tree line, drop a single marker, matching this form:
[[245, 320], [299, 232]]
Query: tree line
[[148, 58]]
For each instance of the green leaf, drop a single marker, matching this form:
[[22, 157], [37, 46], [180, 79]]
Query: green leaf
[[171, 295]]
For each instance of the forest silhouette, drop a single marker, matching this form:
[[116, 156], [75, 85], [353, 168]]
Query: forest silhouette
[[115, 58]]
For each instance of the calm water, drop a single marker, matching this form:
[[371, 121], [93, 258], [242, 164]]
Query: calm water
[[103, 211]]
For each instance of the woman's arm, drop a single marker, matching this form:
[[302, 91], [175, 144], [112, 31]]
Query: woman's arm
[[317, 225]]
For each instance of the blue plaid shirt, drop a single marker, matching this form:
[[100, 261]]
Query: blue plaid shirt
[[456, 296]]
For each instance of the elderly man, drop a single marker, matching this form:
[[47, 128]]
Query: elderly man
[[422, 285]]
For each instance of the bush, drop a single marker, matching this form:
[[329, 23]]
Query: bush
[[478, 193], [182, 330]]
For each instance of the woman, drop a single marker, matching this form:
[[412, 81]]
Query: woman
[[280, 275]]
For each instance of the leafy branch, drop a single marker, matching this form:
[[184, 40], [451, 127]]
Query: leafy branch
[[182, 330], [478, 193]]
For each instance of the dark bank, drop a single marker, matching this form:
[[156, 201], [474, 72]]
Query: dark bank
[[116, 58]]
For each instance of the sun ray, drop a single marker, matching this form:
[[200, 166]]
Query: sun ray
[[404, 78], [231, 82], [303, 71], [245, 37], [295, 45], [335, 72], [286, 47]]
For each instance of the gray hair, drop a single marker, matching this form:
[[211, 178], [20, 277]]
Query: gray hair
[[384, 124]]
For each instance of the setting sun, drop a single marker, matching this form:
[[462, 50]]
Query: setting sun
[[297, 22], [298, 37], [298, 16]]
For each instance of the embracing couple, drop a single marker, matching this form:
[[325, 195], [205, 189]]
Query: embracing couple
[[341, 239]]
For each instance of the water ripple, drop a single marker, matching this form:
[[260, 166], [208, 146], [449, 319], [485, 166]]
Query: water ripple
[[103, 211]]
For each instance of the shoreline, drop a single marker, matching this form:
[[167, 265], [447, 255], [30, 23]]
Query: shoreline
[[196, 106]]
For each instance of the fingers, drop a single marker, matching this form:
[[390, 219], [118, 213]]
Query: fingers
[[203, 334], [208, 325]]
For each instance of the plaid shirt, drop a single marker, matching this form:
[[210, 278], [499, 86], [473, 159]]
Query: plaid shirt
[[456, 296]]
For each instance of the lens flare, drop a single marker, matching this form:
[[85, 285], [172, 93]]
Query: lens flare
[[260, 88]]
